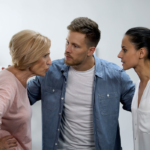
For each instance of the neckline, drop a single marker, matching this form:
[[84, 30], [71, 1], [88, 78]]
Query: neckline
[[138, 107], [15, 78], [83, 72]]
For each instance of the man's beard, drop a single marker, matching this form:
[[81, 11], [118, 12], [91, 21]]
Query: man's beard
[[73, 63]]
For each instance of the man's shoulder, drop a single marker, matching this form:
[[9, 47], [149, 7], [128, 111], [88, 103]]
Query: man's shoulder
[[58, 62], [109, 65]]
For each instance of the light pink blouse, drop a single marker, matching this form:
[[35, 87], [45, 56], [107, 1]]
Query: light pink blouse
[[15, 110]]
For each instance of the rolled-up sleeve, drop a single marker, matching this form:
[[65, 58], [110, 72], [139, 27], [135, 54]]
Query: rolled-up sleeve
[[34, 90], [127, 91]]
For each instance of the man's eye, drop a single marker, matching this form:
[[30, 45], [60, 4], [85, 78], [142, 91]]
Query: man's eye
[[67, 42], [75, 46]]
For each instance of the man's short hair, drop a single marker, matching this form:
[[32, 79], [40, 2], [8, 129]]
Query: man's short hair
[[88, 27]]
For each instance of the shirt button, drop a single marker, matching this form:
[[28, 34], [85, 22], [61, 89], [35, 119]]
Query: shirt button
[[107, 95], [62, 98], [53, 90], [59, 113], [55, 143], [58, 129]]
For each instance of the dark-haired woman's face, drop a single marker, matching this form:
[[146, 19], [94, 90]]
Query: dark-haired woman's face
[[129, 55]]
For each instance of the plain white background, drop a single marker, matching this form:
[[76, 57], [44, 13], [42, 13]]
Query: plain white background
[[51, 17]]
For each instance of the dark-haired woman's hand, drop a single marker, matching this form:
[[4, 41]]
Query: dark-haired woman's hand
[[8, 143]]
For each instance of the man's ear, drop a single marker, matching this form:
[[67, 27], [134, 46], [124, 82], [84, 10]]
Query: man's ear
[[143, 53], [91, 51]]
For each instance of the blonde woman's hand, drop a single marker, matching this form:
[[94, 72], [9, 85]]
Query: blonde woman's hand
[[4, 67], [8, 143]]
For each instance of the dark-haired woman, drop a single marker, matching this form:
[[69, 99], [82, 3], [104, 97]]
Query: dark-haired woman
[[135, 54]]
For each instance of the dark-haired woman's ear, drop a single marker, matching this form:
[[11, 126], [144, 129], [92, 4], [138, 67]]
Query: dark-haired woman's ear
[[143, 53]]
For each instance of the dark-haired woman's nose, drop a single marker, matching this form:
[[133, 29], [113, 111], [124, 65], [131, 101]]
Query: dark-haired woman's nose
[[120, 54]]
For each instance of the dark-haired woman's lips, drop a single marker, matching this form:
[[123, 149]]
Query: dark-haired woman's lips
[[122, 62]]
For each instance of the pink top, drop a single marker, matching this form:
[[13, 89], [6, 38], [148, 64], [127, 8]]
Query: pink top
[[15, 110]]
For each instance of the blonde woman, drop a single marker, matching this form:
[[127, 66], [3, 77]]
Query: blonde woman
[[135, 54], [30, 56]]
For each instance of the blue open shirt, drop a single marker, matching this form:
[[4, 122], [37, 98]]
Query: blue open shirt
[[111, 86]]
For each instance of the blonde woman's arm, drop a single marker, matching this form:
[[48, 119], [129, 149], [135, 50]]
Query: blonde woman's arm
[[7, 141]]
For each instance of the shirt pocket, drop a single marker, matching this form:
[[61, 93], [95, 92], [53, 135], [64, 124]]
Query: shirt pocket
[[51, 98], [109, 103], [144, 121]]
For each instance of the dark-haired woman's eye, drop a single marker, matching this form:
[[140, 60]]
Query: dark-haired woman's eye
[[124, 50]]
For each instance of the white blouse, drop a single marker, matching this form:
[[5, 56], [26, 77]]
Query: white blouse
[[141, 119]]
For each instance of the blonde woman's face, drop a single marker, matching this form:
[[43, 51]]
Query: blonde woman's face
[[42, 65]]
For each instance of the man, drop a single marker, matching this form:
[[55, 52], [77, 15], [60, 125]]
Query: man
[[81, 95]]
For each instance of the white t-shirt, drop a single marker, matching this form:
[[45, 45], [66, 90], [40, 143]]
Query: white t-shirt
[[77, 120], [141, 119]]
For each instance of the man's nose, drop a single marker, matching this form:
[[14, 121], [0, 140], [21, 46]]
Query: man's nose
[[68, 48]]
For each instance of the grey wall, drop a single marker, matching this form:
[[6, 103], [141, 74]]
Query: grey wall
[[50, 17]]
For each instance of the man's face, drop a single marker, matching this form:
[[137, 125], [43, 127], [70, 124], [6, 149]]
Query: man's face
[[76, 49]]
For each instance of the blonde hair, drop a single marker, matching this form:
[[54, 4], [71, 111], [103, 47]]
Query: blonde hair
[[26, 47]]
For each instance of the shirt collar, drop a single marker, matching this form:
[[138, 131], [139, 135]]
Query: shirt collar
[[98, 67]]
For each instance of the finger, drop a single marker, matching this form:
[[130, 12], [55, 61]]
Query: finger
[[8, 137], [3, 68], [13, 145], [12, 142]]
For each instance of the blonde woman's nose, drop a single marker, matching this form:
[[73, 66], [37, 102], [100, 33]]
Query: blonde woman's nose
[[49, 62]]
